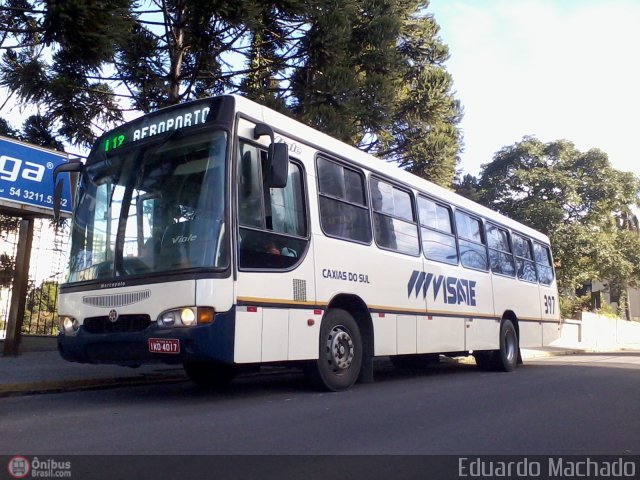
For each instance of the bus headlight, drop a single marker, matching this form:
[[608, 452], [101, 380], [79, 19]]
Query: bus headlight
[[68, 325], [186, 317], [167, 319]]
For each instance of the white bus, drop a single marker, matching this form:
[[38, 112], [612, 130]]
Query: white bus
[[219, 233]]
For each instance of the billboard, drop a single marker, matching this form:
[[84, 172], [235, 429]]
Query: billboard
[[26, 178]]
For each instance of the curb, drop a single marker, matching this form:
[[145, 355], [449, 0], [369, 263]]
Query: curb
[[58, 386], [532, 354]]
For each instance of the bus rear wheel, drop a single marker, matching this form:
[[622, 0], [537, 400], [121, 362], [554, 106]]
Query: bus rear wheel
[[340, 352], [210, 374], [506, 358]]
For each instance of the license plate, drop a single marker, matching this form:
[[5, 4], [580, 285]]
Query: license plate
[[164, 345]]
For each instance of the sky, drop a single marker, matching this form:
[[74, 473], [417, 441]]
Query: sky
[[554, 69]]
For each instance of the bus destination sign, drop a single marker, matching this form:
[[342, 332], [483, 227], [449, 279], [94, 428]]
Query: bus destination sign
[[155, 124]]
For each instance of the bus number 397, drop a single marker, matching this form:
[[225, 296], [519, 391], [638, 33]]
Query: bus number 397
[[549, 304]]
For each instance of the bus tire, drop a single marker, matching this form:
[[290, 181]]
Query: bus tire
[[484, 360], [210, 374], [506, 359], [340, 352]]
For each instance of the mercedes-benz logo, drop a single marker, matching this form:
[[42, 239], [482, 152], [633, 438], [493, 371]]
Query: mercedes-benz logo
[[113, 316]]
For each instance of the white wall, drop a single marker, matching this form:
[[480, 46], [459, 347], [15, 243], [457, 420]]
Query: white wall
[[598, 333]]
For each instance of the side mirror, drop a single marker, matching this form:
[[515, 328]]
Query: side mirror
[[277, 159], [73, 166], [279, 165]]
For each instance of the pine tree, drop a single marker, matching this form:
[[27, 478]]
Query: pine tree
[[370, 72]]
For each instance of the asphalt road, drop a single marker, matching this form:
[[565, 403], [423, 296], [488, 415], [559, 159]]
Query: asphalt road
[[580, 404]]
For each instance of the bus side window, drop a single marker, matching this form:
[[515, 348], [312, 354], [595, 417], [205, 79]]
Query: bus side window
[[344, 212], [525, 265], [438, 240], [473, 252], [543, 263], [500, 256], [393, 218]]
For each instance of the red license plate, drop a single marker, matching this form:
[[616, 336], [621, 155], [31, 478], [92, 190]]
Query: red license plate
[[164, 345]]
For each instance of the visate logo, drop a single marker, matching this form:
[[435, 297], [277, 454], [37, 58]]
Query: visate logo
[[183, 239], [451, 290]]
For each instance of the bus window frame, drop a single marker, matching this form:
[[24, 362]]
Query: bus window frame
[[482, 236], [330, 158], [414, 214], [236, 204], [547, 249], [489, 224], [532, 260], [452, 222]]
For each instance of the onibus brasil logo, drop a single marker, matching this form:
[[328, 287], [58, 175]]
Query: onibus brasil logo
[[21, 467]]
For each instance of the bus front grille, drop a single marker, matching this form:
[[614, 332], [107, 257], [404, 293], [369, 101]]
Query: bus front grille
[[125, 323], [117, 299]]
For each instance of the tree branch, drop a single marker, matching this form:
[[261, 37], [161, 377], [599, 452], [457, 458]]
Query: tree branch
[[23, 10], [25, 45]]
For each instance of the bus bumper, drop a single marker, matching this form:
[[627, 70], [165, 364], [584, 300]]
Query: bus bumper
[[204, 343]]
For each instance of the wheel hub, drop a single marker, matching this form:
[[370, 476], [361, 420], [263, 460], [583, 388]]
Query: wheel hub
[[339, 348], [510, 346]]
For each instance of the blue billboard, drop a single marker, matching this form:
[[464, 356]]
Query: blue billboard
[[26, 177]]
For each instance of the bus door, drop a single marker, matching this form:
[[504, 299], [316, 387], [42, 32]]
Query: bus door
[[275, 289]]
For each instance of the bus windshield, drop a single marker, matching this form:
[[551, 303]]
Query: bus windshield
[[151, 209]]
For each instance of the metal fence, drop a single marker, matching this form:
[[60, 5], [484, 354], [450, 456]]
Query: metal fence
[[47, 264]]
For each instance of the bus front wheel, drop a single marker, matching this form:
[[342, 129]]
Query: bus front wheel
[[340, 351]]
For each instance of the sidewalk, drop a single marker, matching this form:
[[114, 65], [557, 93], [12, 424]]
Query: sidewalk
[[47, 372]]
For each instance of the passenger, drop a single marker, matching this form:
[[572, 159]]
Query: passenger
[[271, 248]]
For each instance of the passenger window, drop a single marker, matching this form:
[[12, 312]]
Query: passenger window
[[543, 263], [525, 265], [500, 255], [273, 225], [344, 212], [393, 218], [438, 241], [473, 252]]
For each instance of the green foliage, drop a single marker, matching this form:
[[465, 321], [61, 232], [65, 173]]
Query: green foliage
[[571, 306], [7, 270], [8, 225], [86, 31], [368, 72], [468, 187], [36, 130], [6, 129], [374, 77], [41, 312], [576, 198]]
